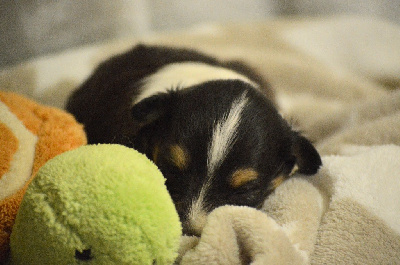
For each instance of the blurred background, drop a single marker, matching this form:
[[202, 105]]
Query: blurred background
[[30, 28]]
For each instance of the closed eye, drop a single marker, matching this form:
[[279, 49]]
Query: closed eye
[[249, 197], [170, 171], [174, 180], [247, 190]]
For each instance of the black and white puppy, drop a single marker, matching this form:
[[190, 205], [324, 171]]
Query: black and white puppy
[[210, 126]]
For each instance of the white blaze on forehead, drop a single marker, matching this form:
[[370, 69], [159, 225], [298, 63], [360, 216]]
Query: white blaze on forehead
[[183, 75], [187, 74], [223, 138], [224, 134]]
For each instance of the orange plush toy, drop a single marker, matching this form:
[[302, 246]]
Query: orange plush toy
[[30, 135]]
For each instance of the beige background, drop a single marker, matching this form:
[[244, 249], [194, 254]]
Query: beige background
[[29, 28]]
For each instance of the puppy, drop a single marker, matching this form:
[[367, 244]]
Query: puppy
[[210, 126]]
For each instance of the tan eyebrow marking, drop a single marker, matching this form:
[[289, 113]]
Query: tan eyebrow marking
[[156, 152], [243, 176], [276, 182], [179, 156]]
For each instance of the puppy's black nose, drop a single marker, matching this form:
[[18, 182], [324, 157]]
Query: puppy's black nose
[[193, 226], [188, 231]]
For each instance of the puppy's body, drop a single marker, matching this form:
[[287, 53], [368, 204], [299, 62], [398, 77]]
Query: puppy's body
[[210, 126]]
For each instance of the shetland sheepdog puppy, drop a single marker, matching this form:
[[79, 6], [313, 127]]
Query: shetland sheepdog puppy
[[211, 126]]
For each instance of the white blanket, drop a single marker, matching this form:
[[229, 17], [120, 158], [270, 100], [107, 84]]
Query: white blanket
[[347, 214], [336, 80]]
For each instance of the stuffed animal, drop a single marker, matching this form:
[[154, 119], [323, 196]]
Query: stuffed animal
[[30, 134], [103, 204]]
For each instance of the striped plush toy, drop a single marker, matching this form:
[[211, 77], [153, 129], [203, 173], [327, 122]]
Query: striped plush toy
[[30, 134]]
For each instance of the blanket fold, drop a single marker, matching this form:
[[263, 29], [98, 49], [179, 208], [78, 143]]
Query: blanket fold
[[362, 224], [336, 80]]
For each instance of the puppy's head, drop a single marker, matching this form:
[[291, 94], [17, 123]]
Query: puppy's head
[[217, 143]]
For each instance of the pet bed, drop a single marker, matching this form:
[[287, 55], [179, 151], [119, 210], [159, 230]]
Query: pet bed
[[337, 80]]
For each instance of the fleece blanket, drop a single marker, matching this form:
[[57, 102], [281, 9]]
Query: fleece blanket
[[336, 80]]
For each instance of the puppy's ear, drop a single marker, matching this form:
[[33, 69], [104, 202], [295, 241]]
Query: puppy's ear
[[307, 158], [151, 109]]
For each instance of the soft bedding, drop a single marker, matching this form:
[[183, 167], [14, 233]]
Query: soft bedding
[[336, 80]]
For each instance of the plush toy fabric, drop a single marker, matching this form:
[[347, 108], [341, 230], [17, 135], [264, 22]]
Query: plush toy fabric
[[30, 134], [331, 86], [106, 204]]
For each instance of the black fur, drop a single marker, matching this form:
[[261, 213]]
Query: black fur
[[186, 117]]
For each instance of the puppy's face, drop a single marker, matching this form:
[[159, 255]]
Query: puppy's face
[[219, 143]]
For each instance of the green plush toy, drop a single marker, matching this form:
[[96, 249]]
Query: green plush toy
[[98, 204]]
